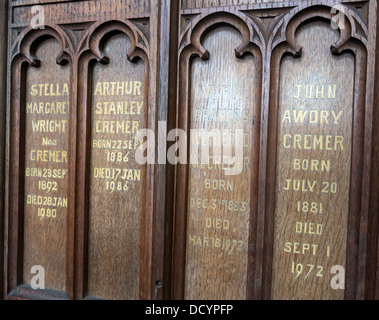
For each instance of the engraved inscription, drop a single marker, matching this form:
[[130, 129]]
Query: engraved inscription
[[117, 113], [77, 11], [47, 113], [219, 204], [313, 167], [192, 4]]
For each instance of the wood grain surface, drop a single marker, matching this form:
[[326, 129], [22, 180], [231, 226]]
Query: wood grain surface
[[192, 4], [116, 179], [46, 166], [313, 178], [3, 95], [101, 243], [219, 204]]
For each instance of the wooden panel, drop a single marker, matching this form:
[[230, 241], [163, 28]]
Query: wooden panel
[[219, 205], [116, 180], [47, 126], [79, 11], [374, 205], [100, 245], [3, 92], [313, 167]]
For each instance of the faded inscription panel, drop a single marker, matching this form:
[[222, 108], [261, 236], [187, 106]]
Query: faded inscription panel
[[194, 4], [47, 111], [314, 148], [79, 10], [222, 101], [115, 201]]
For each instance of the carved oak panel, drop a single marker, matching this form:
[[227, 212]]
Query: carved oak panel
[[292, 81], [315, 211], [310, 217], [192, 4], [80, 206], [47, 122], [315, 121], [215, 204]]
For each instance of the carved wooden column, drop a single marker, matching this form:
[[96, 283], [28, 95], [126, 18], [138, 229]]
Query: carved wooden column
[[3, 91]]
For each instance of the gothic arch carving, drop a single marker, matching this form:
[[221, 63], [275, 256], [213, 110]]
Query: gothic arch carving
[[286, 43]]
